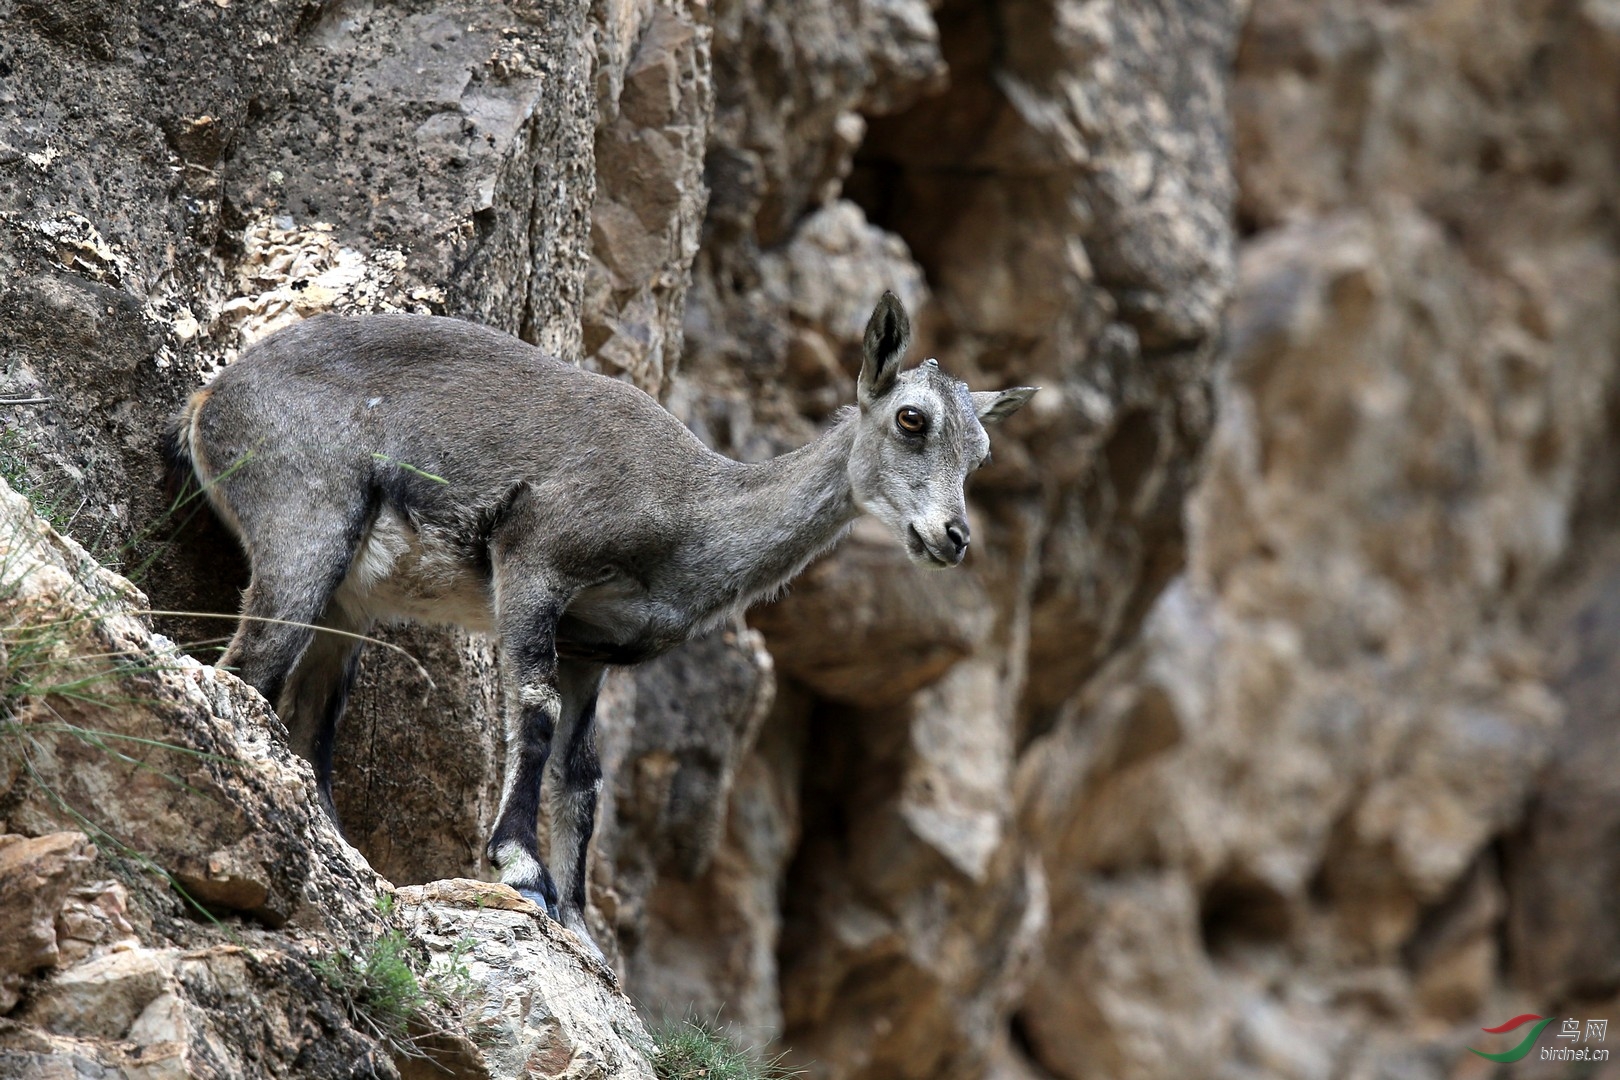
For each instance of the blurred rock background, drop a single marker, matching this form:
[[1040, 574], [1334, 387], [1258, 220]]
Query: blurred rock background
[[1270, 729]]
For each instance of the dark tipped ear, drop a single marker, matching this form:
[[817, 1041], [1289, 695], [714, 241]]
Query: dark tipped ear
[[993, 407], [888, 332]]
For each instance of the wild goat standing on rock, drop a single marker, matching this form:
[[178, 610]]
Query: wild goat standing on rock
[[389, 466]]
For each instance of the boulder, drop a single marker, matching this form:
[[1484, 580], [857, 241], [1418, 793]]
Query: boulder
[[36, 875]]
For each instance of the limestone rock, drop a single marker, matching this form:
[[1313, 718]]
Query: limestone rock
[[172, 1012], [546, 1007], [866, 628], [191, 773], [698, 711], [104, 997], [650, 195], [36, 875], [1126, 952], [231, 819], [419, 802], [93, 919], [706, 946], [1335, 724], [914, 912]]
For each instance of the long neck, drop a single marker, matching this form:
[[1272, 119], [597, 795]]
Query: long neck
[[781, 514]]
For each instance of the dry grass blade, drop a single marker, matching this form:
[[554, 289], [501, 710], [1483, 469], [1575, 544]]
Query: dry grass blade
[[367, 639], [693, 1049]]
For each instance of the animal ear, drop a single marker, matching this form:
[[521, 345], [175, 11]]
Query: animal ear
[[888, 332], [995, 406]]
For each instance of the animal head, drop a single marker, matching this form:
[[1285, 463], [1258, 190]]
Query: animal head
[[919, 435]]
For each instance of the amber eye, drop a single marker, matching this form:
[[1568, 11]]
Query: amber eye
[[911, 421]]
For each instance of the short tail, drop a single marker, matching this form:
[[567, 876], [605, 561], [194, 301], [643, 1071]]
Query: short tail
[[179, 459]]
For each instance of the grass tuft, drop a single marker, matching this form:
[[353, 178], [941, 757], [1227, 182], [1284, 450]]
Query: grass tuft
[[59, 500], [694, 1050], [378, 983], [390, 991]]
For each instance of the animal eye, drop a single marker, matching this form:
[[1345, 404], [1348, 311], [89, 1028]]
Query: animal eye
[[911, 421]]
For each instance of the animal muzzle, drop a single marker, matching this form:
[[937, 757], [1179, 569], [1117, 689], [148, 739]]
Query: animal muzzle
[[944, 545]]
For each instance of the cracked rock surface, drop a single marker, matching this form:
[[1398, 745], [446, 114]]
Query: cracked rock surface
[[197, 935]]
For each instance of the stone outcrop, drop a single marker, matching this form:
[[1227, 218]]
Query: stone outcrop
[[546, 1006], [913, 907], [196, 779], [190, 938], [36, 873], [1265, 729], [1338, 808]]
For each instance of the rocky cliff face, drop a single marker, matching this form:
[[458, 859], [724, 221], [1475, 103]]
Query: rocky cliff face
[[163, 863], [1263, 732]]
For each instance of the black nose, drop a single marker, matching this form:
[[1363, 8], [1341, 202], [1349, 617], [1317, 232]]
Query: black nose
[[957, 530]]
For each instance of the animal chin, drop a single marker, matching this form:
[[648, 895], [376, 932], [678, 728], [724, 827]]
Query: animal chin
[[921, 553]]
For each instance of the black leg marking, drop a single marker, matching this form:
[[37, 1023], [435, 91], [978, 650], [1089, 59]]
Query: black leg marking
[[515, 845], [582, 781], [573, 800], [326, 735], [532, 714]]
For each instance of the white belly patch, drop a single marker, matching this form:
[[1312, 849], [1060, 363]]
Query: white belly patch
[[400, 572]]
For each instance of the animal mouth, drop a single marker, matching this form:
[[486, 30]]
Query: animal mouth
[[919, 546]]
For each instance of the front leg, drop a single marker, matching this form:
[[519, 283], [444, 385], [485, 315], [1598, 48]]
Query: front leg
[[574, 792], [533, 708]]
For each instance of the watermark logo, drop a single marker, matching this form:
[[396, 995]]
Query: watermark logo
[[1593, 1031], [1524, 1047]]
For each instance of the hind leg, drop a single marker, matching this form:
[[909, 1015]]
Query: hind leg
[[315, 692], [278, 617], [299, 557]]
